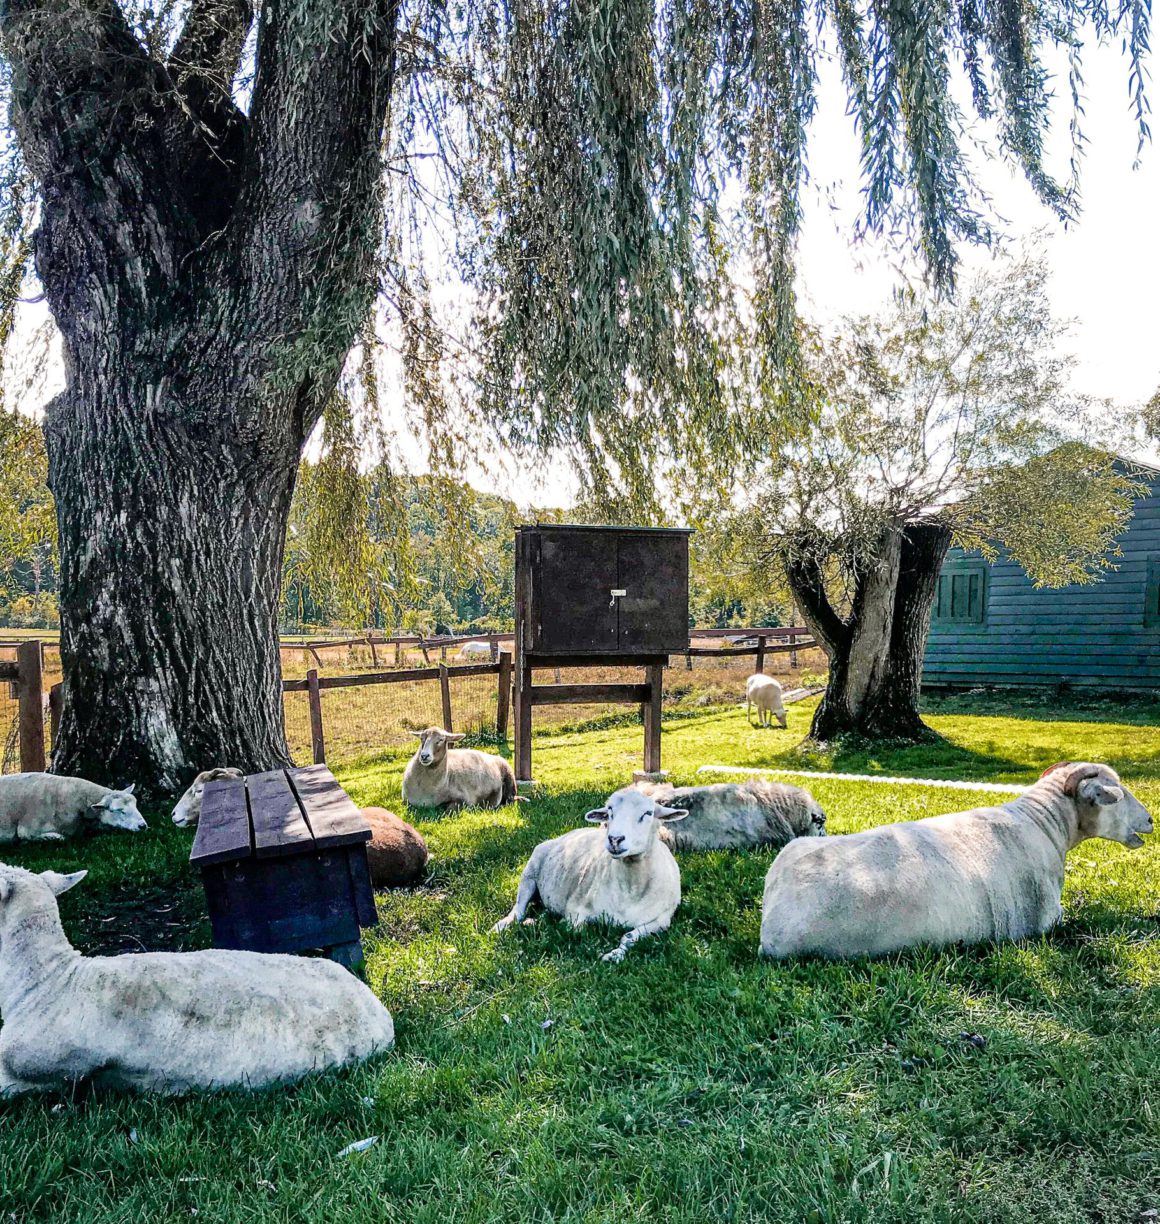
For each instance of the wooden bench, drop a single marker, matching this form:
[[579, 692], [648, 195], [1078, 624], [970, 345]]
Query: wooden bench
[[284, 864]]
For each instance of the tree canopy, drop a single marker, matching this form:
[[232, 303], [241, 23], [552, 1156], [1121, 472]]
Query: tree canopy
[[619, 187]]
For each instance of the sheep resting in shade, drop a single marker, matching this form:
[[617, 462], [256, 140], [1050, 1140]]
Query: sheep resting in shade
[[396, 853]]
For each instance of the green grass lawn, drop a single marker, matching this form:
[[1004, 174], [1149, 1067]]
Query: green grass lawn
[[691, 1083]]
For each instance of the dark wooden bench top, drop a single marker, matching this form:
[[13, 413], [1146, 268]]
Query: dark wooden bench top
[[282, 812]]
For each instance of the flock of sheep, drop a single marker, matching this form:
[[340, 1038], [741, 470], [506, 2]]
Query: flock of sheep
[[172, 1022]]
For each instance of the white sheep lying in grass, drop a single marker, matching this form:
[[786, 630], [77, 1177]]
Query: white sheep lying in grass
[[438, 776], [763, 693], [738, 815], [51, 807], [474, 650], [165, 1021], [188, 810], [991, 873], [622, 872]]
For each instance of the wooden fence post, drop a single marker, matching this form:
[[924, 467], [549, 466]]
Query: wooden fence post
[[374, 653], [423, 648], [761, 652], [793, 651], [504, 699], [317, 740], [651, 713], [445, 693], [55, 703], [30, 660]]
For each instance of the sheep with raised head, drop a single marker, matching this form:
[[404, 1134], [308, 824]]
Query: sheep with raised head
[[763, 694], [51, 807], [620, 873], [188, 810], [738, 815], [991, 873], [165, 1021], [474, 650], [441, 776]]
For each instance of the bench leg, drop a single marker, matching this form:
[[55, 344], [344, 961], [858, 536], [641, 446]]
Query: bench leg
[[350, 955]]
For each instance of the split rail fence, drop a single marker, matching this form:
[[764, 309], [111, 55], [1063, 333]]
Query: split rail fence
[[471, 696]]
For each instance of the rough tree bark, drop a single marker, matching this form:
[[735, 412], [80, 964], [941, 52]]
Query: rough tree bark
[[876, 652], [208, 271]]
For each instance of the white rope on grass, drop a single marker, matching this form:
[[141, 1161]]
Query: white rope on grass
[[994, 788]]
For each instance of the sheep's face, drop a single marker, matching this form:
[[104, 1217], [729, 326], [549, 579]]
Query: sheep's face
[[1106, 808], [630, 822], [22, 892], [815, 823], [433, 745], [118, 810], [188, 809]]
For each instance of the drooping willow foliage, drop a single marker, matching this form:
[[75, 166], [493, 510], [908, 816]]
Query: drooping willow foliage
[[593, 210]]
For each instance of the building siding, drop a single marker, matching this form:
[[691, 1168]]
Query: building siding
[[1082, 635]]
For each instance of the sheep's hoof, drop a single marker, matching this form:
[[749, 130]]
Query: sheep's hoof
[[615, 956], [500, 926]]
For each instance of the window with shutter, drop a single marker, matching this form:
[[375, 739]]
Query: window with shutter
[[961, 595]]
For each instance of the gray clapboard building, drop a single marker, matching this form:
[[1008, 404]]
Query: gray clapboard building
[[990, 626]]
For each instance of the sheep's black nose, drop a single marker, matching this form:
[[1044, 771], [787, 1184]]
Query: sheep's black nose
[[616, 841]]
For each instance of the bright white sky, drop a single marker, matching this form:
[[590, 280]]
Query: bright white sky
[[1105, 268]]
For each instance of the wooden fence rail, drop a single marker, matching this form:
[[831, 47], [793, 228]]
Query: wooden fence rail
[[26, 676], [314, 685]]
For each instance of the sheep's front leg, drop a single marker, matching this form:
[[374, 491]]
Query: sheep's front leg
[[42, 835], [524, 895], [631, 937]]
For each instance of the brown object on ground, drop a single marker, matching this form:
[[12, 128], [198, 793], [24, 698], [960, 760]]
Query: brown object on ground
[[397, 853]]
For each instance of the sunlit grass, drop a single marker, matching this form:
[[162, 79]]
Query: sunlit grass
[[693, 1082]]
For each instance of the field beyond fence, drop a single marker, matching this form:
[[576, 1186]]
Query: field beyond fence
[[374, 692]]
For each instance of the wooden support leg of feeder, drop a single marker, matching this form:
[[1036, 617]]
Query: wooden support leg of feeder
[[651, 710], [523, 695]]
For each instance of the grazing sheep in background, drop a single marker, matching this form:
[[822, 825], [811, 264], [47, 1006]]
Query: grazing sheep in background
[[738, 815], [991, 873], [188, 810], [763, 693], [51, 807], [165, 1021], [621, 872], [396, 853], [439, 776], [474, 650]]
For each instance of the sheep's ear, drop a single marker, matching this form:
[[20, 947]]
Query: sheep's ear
[[669, 814], [62, 883], [596, 816], [1100, 793], [454, 737], [417, 734], [130, 788]]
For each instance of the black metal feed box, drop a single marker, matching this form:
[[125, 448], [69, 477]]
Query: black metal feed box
[[603, 590]]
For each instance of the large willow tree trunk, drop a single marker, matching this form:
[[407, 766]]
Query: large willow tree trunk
[[208, 271], [876, 652]]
